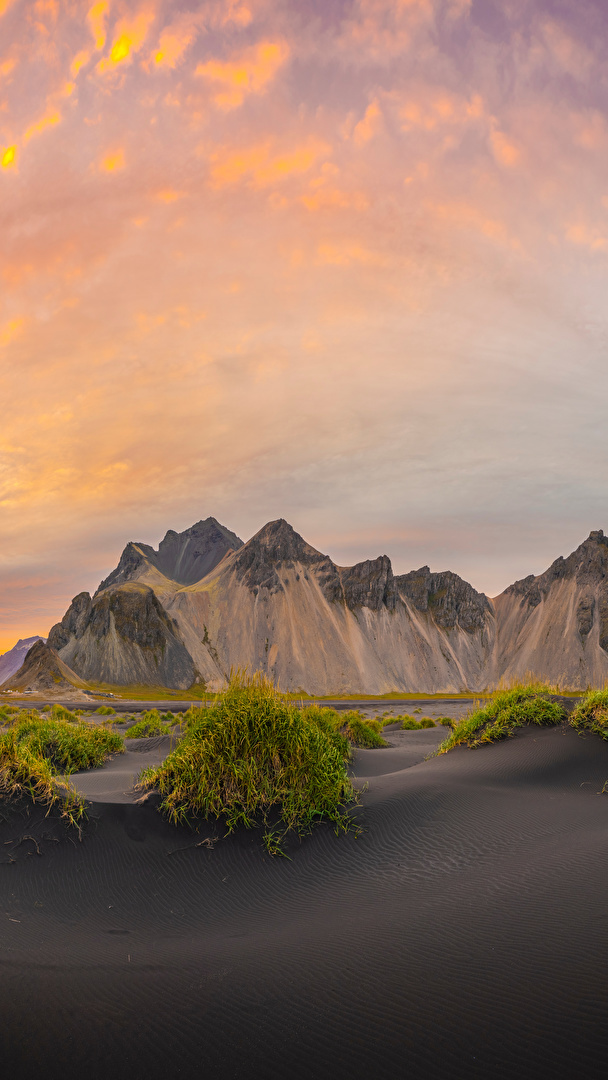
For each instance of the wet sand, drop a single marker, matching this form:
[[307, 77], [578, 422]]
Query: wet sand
[[464, 934]]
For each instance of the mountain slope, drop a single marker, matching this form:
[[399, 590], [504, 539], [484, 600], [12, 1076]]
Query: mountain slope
[[556, 624], [280, 606], [11, 661]]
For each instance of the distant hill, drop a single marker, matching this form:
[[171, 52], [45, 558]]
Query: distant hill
[[11, 661], [43, 670], [278, 605]]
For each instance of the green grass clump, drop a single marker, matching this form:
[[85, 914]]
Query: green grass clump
[[499, 718], [362, 732], [252, 754], [105, 710], [38, 753], [150, 724], [446, 721], [591, 714], [409, 723], [59, 712]]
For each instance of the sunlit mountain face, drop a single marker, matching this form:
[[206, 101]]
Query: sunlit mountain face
[[342, 262]]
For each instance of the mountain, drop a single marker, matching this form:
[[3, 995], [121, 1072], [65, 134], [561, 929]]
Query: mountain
[[556, 624], [278, 605], [43, 670], [182, 557], [11, 661]]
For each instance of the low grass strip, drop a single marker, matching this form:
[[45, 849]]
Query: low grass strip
[[508, 710]]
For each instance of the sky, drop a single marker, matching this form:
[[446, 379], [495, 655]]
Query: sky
[[338, 261]]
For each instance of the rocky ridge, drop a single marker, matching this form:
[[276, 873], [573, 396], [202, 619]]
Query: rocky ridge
[[278, 605]]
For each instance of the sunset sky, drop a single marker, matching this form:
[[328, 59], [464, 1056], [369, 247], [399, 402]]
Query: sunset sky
[[338, 261]]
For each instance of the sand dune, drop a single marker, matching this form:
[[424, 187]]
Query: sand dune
[[463, 934]]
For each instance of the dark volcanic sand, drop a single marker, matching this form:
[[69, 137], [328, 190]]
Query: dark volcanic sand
[[464, 934]]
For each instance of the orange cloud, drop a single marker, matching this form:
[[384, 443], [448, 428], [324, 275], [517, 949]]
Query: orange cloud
[[113, 162], [168, 195], [172, 45], [79, 61], [368, 126], [50, 118], [6, 66], [4, 5], [96, 19], [248, 74], [327, 198], [347, 254], [9, 157], [584, 236], [10, 331], [430, 110], [505, 152], [129, 38], [261, 166]]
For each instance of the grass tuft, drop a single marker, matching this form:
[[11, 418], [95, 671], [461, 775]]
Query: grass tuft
[[254, 754], [409, 723], [503, 714], [105, 710], [150, 724], [591, 714], [38, 753]]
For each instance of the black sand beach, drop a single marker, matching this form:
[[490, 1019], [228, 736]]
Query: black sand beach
[[463, 934]]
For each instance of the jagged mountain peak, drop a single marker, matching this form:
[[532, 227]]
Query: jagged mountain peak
[[184, 557], [587, 564], [447, 598], [277, 545]]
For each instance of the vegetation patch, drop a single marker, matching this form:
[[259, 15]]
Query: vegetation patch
[[37, 754], [150, 724], [508, 710], [251, 755], [409, 723], [105, 710], [591, 714]]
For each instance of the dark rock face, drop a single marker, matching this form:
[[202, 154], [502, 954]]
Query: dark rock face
[[189, 556], [588, 566], [73, 623], [140, 621], [183, 557], [584, 615], [277, 546], [446, 597], [370, 584]]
